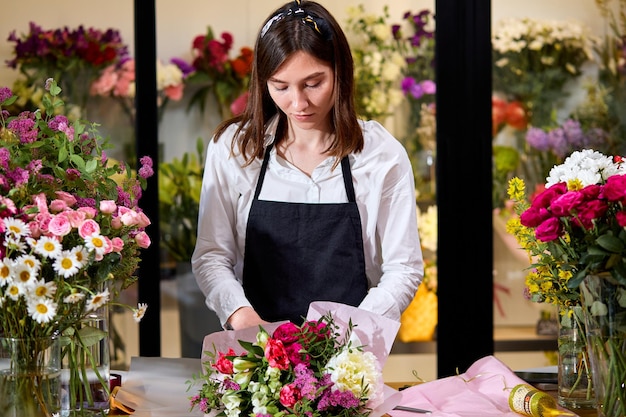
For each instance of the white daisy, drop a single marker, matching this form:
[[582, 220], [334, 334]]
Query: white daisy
[[43, 289], [74, 297], [82, 256], [24, 275], [14, 291], [6, 271], [32, 261], [48, 247], [96, 242], [66, 264], [16, 227], [15, 244], [42, 310], [140, 311], [97, 300]]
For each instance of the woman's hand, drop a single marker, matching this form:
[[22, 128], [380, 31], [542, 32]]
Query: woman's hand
[[245, 317]]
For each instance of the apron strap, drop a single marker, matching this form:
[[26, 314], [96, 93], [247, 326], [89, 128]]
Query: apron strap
[[345, 169]]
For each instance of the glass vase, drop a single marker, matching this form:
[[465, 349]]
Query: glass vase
[[86, 367], [30, 383], [575, 385], [604, 307]]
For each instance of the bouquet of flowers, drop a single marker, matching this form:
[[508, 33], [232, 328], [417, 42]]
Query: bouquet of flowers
[[534, 59], [574, 227], [378, 65], [321, 368], [72, 57], [213, 71], [71, 229]]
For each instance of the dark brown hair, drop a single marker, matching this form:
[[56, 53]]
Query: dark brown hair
[[284, 33]]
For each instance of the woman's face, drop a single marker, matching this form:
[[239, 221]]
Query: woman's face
[[303, 88]]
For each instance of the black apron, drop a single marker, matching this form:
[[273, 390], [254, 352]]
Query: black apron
[[296, 253]]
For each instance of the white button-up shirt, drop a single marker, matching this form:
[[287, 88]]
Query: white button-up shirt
[[385, 194]]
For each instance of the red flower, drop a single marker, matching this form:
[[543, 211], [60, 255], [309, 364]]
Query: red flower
[[276, 354], [223, 364]]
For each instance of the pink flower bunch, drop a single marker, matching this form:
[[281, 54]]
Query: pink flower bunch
[[301, 370], [71, 229]]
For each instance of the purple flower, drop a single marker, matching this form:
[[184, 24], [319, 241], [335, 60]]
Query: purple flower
[[538, 139], [429, 87], [183, 65], [5, 157], [5, 93]]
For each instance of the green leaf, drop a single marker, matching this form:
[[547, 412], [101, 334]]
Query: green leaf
[[89, 335], [610, 243]]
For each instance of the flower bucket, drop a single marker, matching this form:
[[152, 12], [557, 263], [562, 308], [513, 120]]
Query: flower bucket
[[604, 302], [30, 382], [575, 386]]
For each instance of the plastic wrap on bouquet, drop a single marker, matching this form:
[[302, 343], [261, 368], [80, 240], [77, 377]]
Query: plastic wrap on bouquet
[[374, 333]]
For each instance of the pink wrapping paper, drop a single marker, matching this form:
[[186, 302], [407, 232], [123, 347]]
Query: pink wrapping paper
[[375, 333], [482, 391]]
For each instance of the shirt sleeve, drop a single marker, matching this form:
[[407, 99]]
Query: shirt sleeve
[[396, 235], [216, 252]]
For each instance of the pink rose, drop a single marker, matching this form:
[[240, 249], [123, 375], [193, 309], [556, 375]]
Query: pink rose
[[142, 239], [108, 206], [57, 206], [129, 218], [118, 244], [549, 230], [287, 333], [143, 221], [108, 245], [90, 212], [534, 216], [116, 223], [620, 216], [75, 217], [88, 228], [41, 202], [174, 92], [69, 199], [103, 85], [615, 188], [565, 204], [591, 211], [59, 225]]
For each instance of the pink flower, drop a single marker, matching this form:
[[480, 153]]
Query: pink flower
[[549, 230], [108, 206], [118, 244], [142, 239], [75, 217], [69, 199], [57, 206], [276, 354], [239, 104], [90, 212], [223, 364], [103, 85], [289, 395], [88, 228], [174, 92], [59, 225]]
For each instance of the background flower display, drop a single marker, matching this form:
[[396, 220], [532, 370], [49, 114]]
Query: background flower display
[[73, 57], [378, 65], [71, 230], [212, 71], [534, 59]]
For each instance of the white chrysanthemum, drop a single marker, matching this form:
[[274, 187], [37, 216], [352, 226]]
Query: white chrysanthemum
[[42, 310], [48, 247], [587, 166], [232, 402], [96, 243], [355, 371], [66, 264], [74, 297], [43, 289], [16, 227], [6, 271], [97, 300], [140, 311]]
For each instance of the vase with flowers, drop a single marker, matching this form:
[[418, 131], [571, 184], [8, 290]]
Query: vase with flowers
[[573, 231], [71, 233], [212, 71], [73, 57]]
